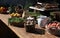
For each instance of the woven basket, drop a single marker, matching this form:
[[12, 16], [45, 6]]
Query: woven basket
[[20, 24], [54, 31]]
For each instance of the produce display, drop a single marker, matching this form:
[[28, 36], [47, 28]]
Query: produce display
[[34, 14], [29, 24], [54, 24], [15, 20], [51, 6], [15, 15], [3, 10], [22, 17], [54, 28]]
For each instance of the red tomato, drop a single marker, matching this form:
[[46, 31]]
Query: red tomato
[[54, 24], [49, 25], [57, 24]]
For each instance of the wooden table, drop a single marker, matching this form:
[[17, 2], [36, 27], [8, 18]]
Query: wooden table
[[21, 32]]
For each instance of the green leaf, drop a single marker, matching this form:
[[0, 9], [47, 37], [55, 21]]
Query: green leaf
[[15, 19]]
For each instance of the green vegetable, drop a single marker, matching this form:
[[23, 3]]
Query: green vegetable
[[34, 14], [16, 19]]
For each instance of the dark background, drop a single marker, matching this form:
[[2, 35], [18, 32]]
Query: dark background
[[24, 2], [16, 2]]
